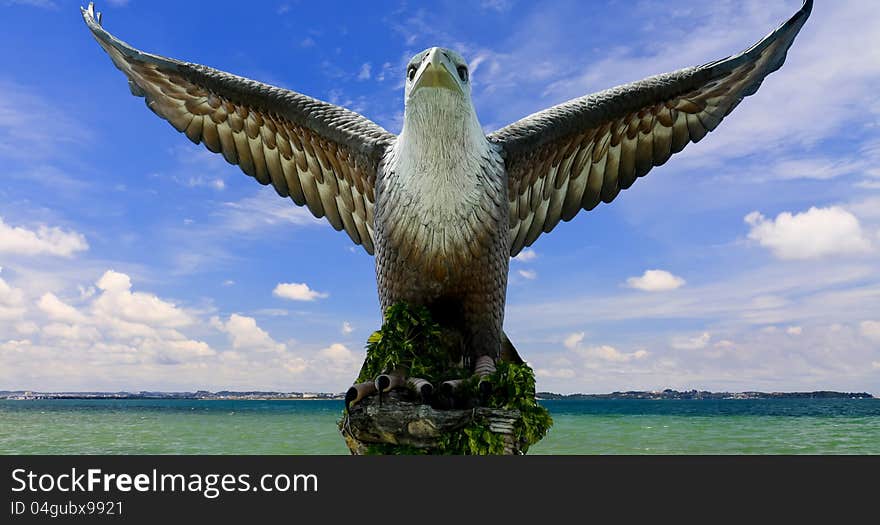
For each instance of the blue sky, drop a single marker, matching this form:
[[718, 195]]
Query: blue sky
[[132, 259]]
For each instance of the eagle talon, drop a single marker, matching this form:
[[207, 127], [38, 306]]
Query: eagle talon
[[358, 392], [386, 383]]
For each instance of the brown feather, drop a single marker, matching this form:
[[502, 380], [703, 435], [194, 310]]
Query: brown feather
[[571, 204], [331, 210], [261, 172], [593, 190], [313, 196], [644, 154], [276, 172], [610, 186], [662, 144], [235, 121], [228, 143], [626, 173], [209, 135], [695, 128], [294, 186], [243, 149], [680, 135], [194, 130]]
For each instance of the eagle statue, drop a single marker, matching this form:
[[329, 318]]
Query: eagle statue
[[443, 206]]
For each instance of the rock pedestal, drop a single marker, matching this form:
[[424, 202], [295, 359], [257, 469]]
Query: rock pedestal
[[397, 420]]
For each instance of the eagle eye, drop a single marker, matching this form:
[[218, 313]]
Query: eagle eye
[[463, 73], [411, 72]]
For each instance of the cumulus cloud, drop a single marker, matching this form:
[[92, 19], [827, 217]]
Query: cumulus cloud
[[105, 331], [117, 337], [815, 233], [245, 334], [347, 328], [336, 361], [655, 281], [44, 240], [117, 301], [691, 343], [58, 310], [573, 340], [600, 352], [11, 301], [297, 292]]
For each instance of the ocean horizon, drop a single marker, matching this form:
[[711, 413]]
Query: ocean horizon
[[292, 427]]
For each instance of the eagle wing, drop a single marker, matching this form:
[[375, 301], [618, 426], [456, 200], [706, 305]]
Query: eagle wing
[[320, 155], [579, 153]]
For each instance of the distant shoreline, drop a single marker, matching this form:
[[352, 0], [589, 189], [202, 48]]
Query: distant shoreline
[[319, 396]]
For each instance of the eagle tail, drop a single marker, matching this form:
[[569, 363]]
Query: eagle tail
[[508, 351]]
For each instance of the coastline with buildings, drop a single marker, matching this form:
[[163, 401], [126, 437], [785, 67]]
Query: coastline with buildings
[[666, 394]]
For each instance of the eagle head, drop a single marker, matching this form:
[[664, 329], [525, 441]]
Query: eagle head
[[438, 93]]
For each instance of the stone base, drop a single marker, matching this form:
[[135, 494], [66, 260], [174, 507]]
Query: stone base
[[396, 419]]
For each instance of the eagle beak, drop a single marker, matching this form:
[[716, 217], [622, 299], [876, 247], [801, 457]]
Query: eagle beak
[[436, 72]]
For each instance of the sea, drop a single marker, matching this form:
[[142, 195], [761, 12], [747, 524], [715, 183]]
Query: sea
[[729, 426]]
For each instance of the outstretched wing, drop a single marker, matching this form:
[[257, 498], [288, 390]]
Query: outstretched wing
[[574, 155], [318, 154]]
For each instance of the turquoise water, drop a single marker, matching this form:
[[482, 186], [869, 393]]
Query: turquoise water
[[781, 426]]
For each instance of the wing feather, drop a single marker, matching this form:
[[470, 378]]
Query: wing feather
[[320, 155], [574, 155]]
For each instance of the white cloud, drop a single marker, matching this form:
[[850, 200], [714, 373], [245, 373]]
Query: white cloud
[[815, 233], [526, 255], [245, 334], [27, 327], [58, 310], [45, 240], [297, 292], [573, 340], [655, 281], [691, 343], [600, 352], [818, 168], [794, 330], [347, 328], [610, 353], [71, 332], [100, 340], [528, 274], [365, 71], [263, 211], [11, 301], [45, 4], [118, 302], [555, 373], [337, 360], [870, 329]]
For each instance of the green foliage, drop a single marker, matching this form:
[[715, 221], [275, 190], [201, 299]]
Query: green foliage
[[514, 388], [410, 340]]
